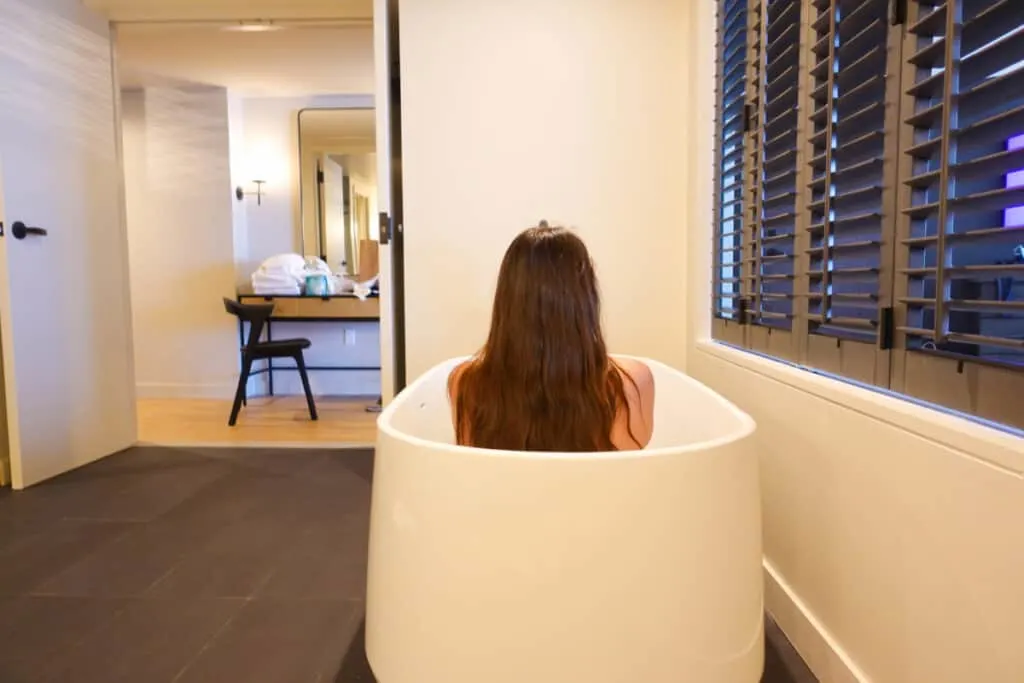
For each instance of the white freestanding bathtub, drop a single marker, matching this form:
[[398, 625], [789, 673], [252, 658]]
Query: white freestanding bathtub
[[493, 566]]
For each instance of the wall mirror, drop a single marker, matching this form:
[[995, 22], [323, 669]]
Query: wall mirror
[[338, 193]]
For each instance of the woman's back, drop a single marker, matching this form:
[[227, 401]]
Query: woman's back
[[544, 380], [632, 426]]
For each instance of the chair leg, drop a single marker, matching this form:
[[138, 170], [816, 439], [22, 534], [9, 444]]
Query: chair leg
[[243, 383], [301, 363]]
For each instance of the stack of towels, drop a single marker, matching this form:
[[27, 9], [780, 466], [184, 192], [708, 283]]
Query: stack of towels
[[282, 275], [285, 275]]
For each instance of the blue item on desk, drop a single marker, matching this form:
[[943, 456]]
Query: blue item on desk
[[316, 285]]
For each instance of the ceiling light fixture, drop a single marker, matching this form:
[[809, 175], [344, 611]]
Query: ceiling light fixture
[[253, 27]]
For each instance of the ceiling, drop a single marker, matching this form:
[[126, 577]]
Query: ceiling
[[164, 10], [327, 127], [301, 59]]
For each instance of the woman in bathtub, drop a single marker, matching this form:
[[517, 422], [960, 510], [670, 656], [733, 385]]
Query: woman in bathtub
[[544, 380]]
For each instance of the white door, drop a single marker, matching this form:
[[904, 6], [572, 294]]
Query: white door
[[65, 318]]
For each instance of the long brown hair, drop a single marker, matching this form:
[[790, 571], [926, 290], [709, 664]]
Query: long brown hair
[[544, 380]]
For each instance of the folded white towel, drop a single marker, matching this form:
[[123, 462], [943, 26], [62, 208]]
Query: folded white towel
[[283, 268], [272, 279], [275, 290]]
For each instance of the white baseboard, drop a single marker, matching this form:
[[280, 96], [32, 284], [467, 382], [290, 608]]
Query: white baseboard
[[826, 658], [264, 445], [211, 391]]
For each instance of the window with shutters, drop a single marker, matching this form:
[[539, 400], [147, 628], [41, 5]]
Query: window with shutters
[[870, 224]]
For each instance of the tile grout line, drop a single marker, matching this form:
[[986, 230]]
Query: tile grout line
[[213, 638]]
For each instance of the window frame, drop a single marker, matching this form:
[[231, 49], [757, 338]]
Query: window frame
[[972, 388]]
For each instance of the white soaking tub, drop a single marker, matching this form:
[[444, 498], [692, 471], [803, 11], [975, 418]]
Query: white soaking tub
[[490, 566]]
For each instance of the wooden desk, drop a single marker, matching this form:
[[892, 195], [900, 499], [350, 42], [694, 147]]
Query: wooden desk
[[336, 308]]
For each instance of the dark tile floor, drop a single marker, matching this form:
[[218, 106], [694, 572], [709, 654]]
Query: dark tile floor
[[160, 566]]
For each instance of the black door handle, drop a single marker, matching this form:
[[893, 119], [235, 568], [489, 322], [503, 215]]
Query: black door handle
[[21, 231]]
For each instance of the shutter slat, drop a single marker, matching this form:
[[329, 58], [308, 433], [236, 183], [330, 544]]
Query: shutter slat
[[962, 272], [963, 305], [988, 25], [980, 235], [978, 201], [781, 138], [863, 42], [774, 199], [930, 23], [840, 246], [860, 68], [784, 16], [867, 298], [979, 339], [990, 96], [930, 56], [929, 87], [927, 117], [853, 20]]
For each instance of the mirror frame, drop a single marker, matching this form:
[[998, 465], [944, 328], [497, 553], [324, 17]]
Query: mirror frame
[[319, 234]]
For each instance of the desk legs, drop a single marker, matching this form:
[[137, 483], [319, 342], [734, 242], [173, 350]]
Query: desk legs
[[270, 363]]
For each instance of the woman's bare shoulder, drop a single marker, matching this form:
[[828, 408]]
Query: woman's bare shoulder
[[639, 372], [639, 386]]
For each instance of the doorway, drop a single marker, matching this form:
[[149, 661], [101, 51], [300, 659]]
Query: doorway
[[208, 212], [247, 130]]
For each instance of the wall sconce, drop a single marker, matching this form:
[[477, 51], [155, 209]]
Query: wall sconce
[[240, 193]]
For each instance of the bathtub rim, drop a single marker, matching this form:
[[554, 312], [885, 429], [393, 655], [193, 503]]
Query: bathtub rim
[[745, 430]]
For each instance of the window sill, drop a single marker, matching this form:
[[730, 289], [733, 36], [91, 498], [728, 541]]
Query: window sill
[[989, 445]]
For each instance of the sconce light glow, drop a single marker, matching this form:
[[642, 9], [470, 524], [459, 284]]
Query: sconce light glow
[[267, 162]]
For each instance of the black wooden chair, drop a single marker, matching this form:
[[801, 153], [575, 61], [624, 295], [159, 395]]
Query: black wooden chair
[[256, 315]]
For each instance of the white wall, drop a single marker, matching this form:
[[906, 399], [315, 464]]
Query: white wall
[[181, 247], [574, 112], [239, 178], [893, 536]]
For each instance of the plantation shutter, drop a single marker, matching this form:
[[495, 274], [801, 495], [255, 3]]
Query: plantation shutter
[[772, 231], [853, 123], [960, 279], [730, 134]]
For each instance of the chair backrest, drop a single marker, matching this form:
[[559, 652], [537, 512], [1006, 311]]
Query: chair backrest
[[254, 314]]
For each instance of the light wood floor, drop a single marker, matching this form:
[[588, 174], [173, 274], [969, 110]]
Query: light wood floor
[[278, 421]]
